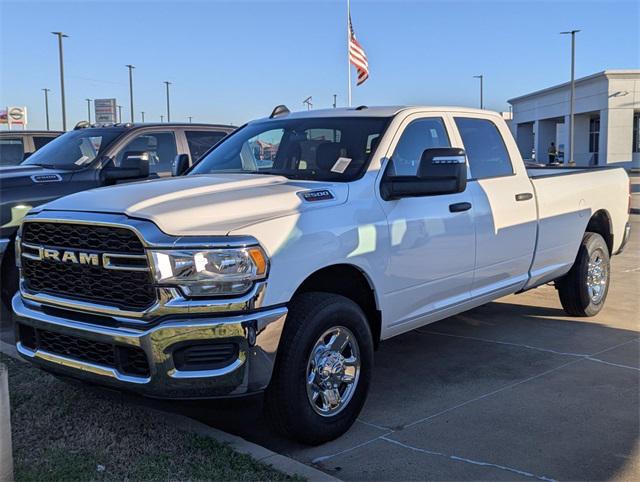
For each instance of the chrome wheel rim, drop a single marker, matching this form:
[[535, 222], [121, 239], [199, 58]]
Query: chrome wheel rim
[[333, 371], [597, 276]]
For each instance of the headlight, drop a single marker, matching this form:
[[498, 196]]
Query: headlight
[[210, 272]]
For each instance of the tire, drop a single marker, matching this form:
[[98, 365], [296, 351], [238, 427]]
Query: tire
[[308, 329], [576, 296], [9, 277]]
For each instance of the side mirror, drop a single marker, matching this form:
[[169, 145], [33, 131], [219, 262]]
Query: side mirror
[[180, 165], [134, 165], [442, 170]]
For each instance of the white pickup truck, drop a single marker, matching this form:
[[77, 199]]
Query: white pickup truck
[[284, 257]]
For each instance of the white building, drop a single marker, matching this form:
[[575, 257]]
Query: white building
[[607, 120]]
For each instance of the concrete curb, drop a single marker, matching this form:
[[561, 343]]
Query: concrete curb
[[279, 462], [284, 464]]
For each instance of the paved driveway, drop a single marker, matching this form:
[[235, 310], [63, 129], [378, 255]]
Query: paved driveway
[[511, 390]]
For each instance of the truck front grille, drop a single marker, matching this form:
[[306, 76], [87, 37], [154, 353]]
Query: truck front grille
[[125, 359], [129, 290]]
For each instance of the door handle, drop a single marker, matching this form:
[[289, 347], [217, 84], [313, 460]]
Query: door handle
[[459, 207], [524, 196]]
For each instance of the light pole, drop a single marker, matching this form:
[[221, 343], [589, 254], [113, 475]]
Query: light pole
[[573, 90], [88, 110], [119, 114], [161, 118], [64, 109], [335, 98], [167, 83], [481, 77], [190, 117], [142, 112], [46, 105], [131, 67]]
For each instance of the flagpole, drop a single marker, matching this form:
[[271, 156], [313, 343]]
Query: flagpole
[[348, 57]]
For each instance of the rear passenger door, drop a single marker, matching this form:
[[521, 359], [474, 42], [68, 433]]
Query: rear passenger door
[[200, 142], [503, 203]]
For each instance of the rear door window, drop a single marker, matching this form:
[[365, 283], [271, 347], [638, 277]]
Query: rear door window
[[485, 148], [201, 141], [11, 151]]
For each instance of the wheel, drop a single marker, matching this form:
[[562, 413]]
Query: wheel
[[583, 290], [9, 277], [323, 369]]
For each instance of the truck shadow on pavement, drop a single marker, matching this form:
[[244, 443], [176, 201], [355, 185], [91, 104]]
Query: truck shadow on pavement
[[505, 384]]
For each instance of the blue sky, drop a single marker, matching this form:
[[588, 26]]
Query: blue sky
[[233, 61]]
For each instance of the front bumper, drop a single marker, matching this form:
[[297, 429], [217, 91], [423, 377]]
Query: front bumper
[[257, 335]]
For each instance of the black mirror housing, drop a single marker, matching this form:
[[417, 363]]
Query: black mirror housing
[[442, 170], [180, 165]]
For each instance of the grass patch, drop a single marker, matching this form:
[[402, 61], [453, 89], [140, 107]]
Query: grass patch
[[64, 432]]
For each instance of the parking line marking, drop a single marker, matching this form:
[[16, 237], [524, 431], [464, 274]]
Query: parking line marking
[[357, 446], [530, 347], [476, 399], [379, 427], [469, 461], [521, 345]]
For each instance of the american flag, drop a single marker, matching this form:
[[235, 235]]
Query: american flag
[[357, 56]]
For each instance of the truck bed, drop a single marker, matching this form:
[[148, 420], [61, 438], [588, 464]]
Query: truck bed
[[567, 198]]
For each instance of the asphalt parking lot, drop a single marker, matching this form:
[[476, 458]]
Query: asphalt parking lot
[[512, 390]]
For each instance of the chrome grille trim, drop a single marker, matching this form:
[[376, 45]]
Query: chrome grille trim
[[170, 301]]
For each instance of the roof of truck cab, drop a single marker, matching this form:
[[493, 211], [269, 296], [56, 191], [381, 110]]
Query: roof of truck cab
[[374, 111]]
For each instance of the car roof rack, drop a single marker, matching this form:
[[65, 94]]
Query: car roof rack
[[279, 110]]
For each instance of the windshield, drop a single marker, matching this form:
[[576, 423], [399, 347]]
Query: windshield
[[318, 149], [74, 150]]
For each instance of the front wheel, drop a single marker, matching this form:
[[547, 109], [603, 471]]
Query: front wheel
[[323, 370], [583, 290]]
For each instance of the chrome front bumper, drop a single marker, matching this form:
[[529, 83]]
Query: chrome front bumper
[[256, 333]]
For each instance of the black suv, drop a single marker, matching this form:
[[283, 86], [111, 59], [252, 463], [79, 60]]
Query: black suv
[[16, 146], [90, 157]]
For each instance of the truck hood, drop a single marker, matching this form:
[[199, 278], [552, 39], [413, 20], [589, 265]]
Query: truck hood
[[208, 204]]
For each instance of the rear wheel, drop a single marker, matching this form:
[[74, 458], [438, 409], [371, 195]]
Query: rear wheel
[[583, 290], [322, 374]]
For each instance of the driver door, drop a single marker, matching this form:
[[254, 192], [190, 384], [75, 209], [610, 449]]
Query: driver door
[[432, 253]]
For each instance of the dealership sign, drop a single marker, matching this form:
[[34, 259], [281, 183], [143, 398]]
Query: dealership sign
[[105, 110], [14, 116]]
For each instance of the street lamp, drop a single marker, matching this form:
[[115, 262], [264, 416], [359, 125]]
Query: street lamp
[[190, 117], [573, 90], [161, 118], [142, 112], [46, 105], [167, 83], [481, 77], [131, 67], [64, 109], [120, 114], [88, 110]]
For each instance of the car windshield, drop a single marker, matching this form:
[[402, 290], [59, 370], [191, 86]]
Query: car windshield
[[75, 149], [318, 149]]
